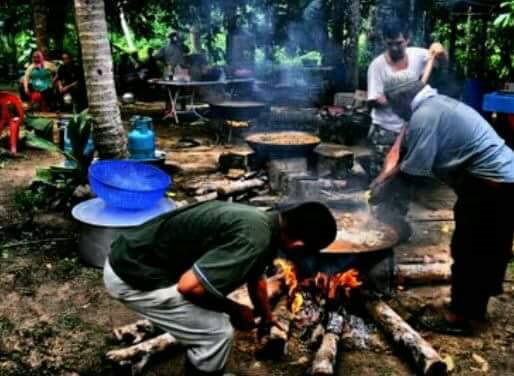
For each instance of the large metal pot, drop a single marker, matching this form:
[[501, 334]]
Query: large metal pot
[[237, 110], [266, 149], [376, 264], [101, 225]]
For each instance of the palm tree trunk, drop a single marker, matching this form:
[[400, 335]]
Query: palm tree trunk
[[108, 133], [40, 14]]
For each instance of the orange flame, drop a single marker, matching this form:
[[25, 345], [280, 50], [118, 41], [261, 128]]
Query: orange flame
[[348, 280], [290, 278], [297, 303]]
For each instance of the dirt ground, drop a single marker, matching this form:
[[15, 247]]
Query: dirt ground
[[56, 318]]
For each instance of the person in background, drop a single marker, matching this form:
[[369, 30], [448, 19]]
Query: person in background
[[70, 80], [127, 75], [178, 269], [386, 125], [151, 66], [38, 82], [173, 53], [449, 140]]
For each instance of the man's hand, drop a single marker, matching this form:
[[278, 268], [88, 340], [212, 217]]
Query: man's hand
[[437, 50], [242, 318]]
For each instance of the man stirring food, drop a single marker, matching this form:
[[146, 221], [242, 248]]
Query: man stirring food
[[177, 270], [386, 125], [447, 139]]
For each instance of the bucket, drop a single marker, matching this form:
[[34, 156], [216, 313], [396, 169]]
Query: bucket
[[473, 93]]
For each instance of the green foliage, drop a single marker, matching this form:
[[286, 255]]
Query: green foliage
[[53, 187], [505, 20]]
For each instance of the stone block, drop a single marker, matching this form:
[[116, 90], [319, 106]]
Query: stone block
[[280, 171], [241, 159], [333, 160]]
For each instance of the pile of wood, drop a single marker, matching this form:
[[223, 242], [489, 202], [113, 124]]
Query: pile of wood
[[248, 185]]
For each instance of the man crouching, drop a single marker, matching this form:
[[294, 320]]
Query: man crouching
[[177, 270]]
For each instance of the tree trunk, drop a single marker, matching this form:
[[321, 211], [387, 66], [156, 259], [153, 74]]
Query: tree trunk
[[40, 14], [108, 133], [351, 50]]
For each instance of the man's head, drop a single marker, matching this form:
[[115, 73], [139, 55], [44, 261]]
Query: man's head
[[400, 90], [66, 58], [396, 39], [307, 226]]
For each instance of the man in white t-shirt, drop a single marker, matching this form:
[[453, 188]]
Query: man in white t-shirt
[[386, 125], [397, 57]]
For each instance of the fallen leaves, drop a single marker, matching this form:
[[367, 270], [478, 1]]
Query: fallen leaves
[[482, 363]]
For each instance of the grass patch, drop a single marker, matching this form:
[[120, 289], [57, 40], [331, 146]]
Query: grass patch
[[70, 320]]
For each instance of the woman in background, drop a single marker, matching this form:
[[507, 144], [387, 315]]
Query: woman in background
[[38, 81]]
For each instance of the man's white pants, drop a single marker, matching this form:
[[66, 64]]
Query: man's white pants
[[207, 334]]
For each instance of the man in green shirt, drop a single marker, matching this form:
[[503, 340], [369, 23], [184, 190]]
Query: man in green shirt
[[177, 270]]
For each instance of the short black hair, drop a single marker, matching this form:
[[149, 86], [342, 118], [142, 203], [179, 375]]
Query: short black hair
[[394, 28], [311, 222]]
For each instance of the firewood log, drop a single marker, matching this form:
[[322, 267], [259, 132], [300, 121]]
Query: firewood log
[[138, 355], [275, 345], [325, 358], [423, 274], [316, 336], [240, 187], [134, 332], [207, 197], [425, 357]]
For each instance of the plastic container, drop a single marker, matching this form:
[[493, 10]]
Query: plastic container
[[141, 139], [128, 184], [473, 94], [102, 224]]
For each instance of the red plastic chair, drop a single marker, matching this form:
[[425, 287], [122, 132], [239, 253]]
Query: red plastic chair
[[8, 102], [36, 98]]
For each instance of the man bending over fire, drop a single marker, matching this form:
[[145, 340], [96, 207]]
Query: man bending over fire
[[448, 140], [177, 270]]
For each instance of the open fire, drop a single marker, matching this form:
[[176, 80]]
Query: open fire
[[321, 288]]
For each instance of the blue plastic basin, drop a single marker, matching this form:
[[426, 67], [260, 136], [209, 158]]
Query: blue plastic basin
[[128, 184]]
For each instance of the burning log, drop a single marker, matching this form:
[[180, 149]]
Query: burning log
[[240, 187], [425, 357], [423, 274], [137, 356], [325, 357]]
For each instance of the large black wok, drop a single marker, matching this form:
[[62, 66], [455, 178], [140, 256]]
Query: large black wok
[[363, 260], [282, 144], [237, 110]]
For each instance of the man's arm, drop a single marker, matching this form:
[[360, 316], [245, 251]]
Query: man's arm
[[378, 102], [192, 289], [376, 97], [258, 292], [391, 162]]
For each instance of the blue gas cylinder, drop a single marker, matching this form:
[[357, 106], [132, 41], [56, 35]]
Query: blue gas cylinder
[[141, 139]]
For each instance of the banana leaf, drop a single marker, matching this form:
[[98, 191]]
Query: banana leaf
[[41, 125], [40, 143]]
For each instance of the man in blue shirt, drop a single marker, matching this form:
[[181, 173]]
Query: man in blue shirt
[[450, 141]]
